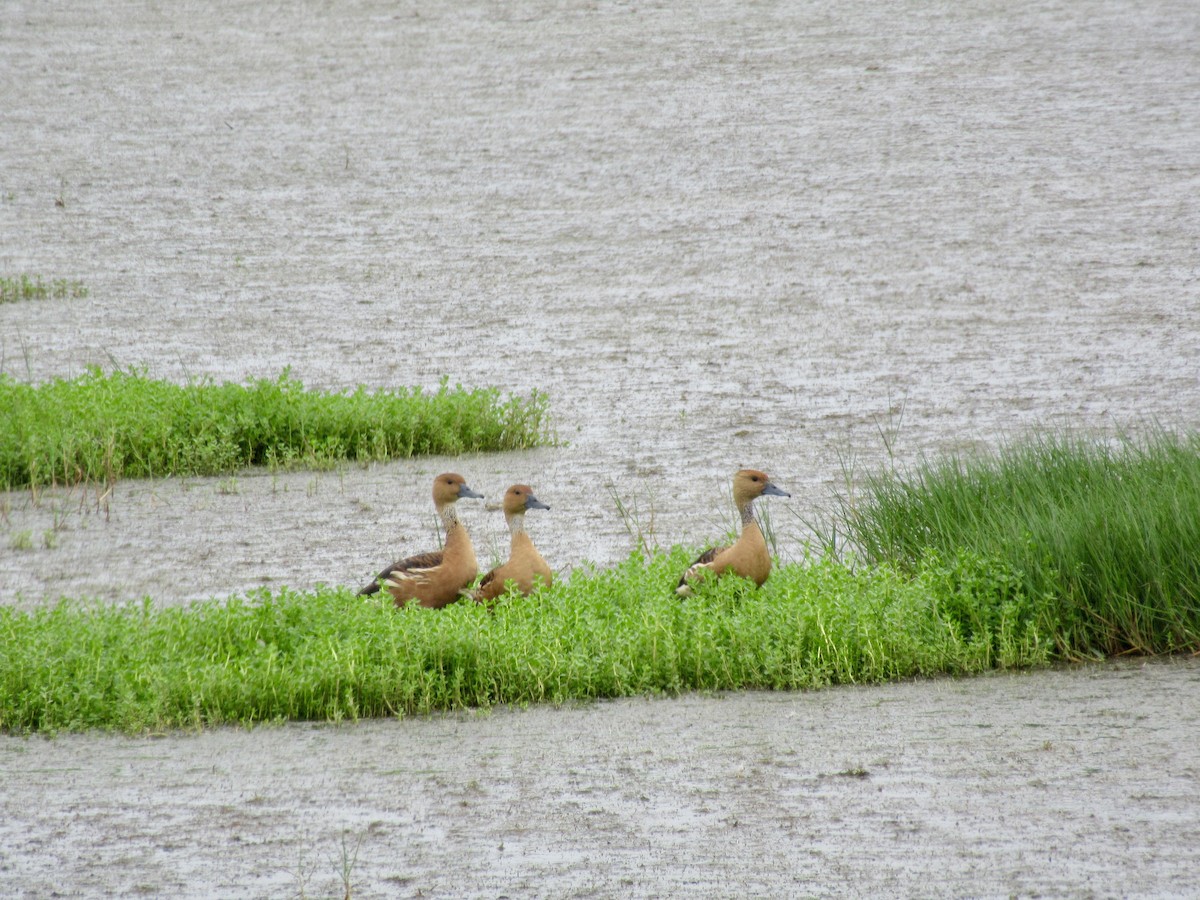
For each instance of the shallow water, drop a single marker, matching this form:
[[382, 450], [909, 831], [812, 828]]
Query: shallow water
[[808, 237], [777, 237]]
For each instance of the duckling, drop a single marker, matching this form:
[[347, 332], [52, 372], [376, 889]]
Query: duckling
[[748, 556], [434, 579], [524, 562]]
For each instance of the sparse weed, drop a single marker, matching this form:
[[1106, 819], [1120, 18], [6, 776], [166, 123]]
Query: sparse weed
[[639, 525], [349, 859], [14, 288], [21, 540]]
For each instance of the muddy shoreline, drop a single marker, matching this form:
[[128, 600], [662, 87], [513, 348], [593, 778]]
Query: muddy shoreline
[[1080, 782]]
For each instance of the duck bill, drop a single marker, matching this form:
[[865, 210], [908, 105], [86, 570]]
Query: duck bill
[[774, 491]]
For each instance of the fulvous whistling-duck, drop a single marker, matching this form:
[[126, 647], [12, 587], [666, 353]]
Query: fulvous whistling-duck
[[434, 579], [524, 562], [748, 556]]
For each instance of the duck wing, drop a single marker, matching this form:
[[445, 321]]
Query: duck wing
[[482, 592], [704, 560], [488, 578], [413, 568]]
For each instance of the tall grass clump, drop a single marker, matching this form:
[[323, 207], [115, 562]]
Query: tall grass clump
[[99, 427], [329, 655], [14, 288], [1107, 533]]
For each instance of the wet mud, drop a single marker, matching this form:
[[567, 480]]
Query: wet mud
[[1074, 783], [779, 237], [815, 238]]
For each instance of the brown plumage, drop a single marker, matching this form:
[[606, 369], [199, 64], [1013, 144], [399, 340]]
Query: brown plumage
[[434, 579], [748, 556], [524, 564]]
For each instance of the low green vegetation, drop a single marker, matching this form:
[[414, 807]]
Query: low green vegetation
[[21, 540], [1051, 550], [1106, 534], [331, 655], [101, 427], [14, 288]]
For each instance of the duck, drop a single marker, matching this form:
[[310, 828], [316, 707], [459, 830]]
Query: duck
[[524, 564], [748, 556], [434, 579]]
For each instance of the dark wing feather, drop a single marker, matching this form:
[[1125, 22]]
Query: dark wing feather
[[706, 557], [420, 561]]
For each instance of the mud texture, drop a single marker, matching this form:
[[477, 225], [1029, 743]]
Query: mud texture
[[1074, 783], [811, 237], [794, 236]]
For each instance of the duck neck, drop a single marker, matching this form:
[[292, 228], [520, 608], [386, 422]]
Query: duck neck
[[747, 512], [516, 527], [450, 521]]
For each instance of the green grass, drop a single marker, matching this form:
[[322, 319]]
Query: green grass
[[1108, 533], [329, 655], [101, 427], [14, 288], [1055, 548]]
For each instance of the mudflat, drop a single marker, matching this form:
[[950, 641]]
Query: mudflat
[[1080, 782], [815, 238], [811, 238]]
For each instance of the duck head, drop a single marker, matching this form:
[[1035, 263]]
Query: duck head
[[449, 487], [750, 484], [519, 498]]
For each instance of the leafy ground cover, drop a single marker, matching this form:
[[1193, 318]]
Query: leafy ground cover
[[330, 655], [100, 427], [1054, 549]]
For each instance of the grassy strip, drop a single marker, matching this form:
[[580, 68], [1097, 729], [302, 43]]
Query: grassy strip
[[618, 632], [1108, 533], [124, 425], [14, 288]]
